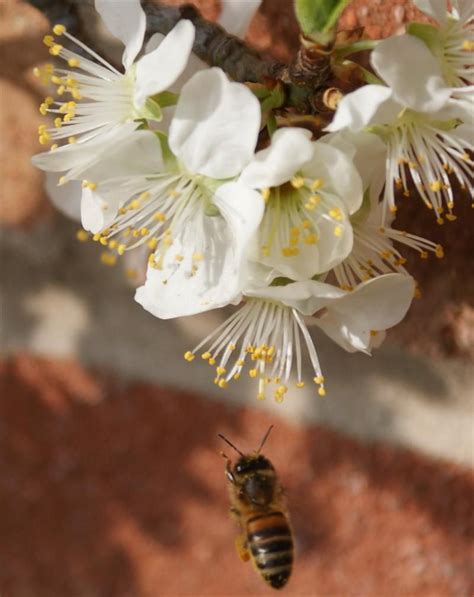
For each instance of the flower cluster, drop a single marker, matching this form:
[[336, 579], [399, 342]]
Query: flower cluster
[[167, 159]]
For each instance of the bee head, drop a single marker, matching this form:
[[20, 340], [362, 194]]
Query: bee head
[[256, 477]]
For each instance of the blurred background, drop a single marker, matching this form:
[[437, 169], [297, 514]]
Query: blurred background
[[111, 483]]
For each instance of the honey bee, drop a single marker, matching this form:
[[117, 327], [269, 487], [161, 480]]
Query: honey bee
[[258, 505]]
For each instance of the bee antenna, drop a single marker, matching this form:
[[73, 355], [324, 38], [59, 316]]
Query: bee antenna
[[230, 443], [265, 437]]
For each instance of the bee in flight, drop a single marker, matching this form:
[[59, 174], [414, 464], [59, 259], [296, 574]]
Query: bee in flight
[[258, 505]]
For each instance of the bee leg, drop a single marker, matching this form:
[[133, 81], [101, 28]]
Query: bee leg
[[242, 548]]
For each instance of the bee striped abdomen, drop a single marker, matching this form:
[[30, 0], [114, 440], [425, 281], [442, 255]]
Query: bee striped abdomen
[[271, 547]]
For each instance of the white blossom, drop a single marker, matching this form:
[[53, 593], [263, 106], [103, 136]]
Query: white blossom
[[268, 333], [310, 189], [97, 106], [183, 202], [427, 131]]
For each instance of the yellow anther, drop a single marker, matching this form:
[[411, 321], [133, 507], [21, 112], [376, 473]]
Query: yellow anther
[[73, 62], [436, 186], [240, 363], [62, 180], [440, 221], [279, 397], [108, 258], [136, 233], [222, 383], [260, 396], [310, 239], [48, 41], [159, 216], [220, 370], [55, 50], [319, 379], [306, 224], [103, 241], [450, 204], [336, 213], [135, 204], [113, 244], [43, 139], [393, 209], [53, 147], [206, 356], [300, 384], [338, 231], [451, 217], [281, 390], [59, 29], [121, 249], [236, 375], [212, 361], [189, 356], [71, 140], [297, 182], [96, 236], [231, 347], [42, 128], [294, 231], [253, 372], [43, 109], [266, 194], [439, 252], [198, 257], [152, 244], [58, 122], [316, 184], [321, 391], [265, 251], [82, 235], [179, 258], [144, 231], [468, 45]]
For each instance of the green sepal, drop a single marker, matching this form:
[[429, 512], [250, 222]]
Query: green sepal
[[281, 281], [271, 124], [166, 98], [211, 210], [151, 110], [428, 34], [274, 100], [168, 156], [318, 18]]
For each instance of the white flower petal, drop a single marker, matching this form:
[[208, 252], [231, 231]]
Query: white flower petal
[[138, 155], [173, 292], [351, 338], [126, 20], [366, 151], [307, 297], [335, 169], [216, 124], [96, 214], [436, 9], [67, 198], [159, 69], [413, 73], [236, 15], [82, 155], [271, 167], [357, 109], [377, 304]]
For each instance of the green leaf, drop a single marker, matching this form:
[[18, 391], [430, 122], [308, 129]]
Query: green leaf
[[318, 18]]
